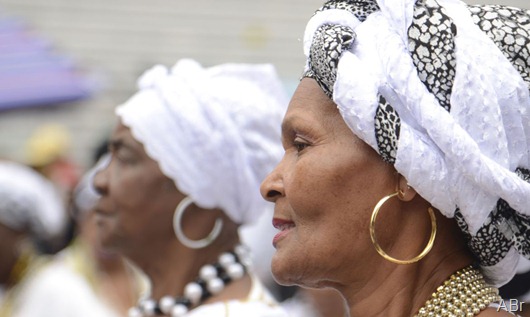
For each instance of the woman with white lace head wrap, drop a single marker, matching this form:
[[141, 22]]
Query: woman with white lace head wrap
[[420, 110], [31, 211], [189, 153]]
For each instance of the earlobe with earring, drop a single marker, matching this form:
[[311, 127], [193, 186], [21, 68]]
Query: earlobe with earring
[[400, 194], [177, 227]]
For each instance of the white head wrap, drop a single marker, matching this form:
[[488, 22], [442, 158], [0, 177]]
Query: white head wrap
[[214, 131], [30, 202], [440, 90]]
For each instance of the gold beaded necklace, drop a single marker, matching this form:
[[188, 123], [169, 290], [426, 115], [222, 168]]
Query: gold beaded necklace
[[465, 293]]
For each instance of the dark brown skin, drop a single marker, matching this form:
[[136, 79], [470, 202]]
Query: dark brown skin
[[10, 241], [114, 279], [135, 216], [328, 183]]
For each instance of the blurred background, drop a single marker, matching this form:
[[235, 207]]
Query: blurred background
[[65, 65]]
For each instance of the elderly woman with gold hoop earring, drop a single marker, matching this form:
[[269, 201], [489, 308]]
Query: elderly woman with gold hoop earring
[[405, 183], [188, 155]]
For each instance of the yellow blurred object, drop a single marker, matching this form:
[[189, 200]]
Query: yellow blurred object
[[46, 144]]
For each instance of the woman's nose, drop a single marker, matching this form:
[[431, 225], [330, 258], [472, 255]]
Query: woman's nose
[[100, 181], [272, 186]]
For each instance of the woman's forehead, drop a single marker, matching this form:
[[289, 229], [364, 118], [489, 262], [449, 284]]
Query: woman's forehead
[[309, 96], [123, 137], [309, 101]]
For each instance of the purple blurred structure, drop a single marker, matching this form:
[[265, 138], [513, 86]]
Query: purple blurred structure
[[31, 74]]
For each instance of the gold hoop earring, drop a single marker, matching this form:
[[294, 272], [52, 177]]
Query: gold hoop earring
[[378, 247]]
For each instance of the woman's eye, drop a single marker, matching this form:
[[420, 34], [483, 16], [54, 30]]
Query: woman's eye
[[124, 158], [299, 144]]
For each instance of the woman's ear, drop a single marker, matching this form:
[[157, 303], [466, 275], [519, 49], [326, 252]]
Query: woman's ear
[[406, 193]]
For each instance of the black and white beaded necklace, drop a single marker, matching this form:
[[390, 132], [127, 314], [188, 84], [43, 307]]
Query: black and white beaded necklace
[[212, 280]]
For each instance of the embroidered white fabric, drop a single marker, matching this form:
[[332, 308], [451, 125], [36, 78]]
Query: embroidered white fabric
[[464, 158], [214, 131], [29, 201]]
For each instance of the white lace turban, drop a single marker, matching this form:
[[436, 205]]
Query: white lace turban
[[214, 131], [441, 91], [29, 202]]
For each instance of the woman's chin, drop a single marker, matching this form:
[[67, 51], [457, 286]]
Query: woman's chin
[[283, 269], [283, 280]]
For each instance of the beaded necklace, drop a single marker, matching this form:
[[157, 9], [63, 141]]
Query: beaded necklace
[[465, 293], [212, 279]]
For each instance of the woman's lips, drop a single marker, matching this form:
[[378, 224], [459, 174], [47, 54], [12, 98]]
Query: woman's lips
[[102, 216], [103, 213], [284, 226]]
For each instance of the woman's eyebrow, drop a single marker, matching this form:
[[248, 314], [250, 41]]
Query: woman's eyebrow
[[292, 120], [287, 124]]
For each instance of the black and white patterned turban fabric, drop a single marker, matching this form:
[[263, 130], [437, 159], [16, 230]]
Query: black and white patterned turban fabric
[[441, 91]]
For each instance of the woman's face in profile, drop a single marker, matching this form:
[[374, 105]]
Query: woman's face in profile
[[137, 201], [324, 190]]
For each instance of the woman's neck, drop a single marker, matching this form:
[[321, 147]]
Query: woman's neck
[[397, 290], [388, 289], [170, 273]]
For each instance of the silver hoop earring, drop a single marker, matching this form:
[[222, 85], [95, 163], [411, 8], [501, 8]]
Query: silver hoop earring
[[177, 227]]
